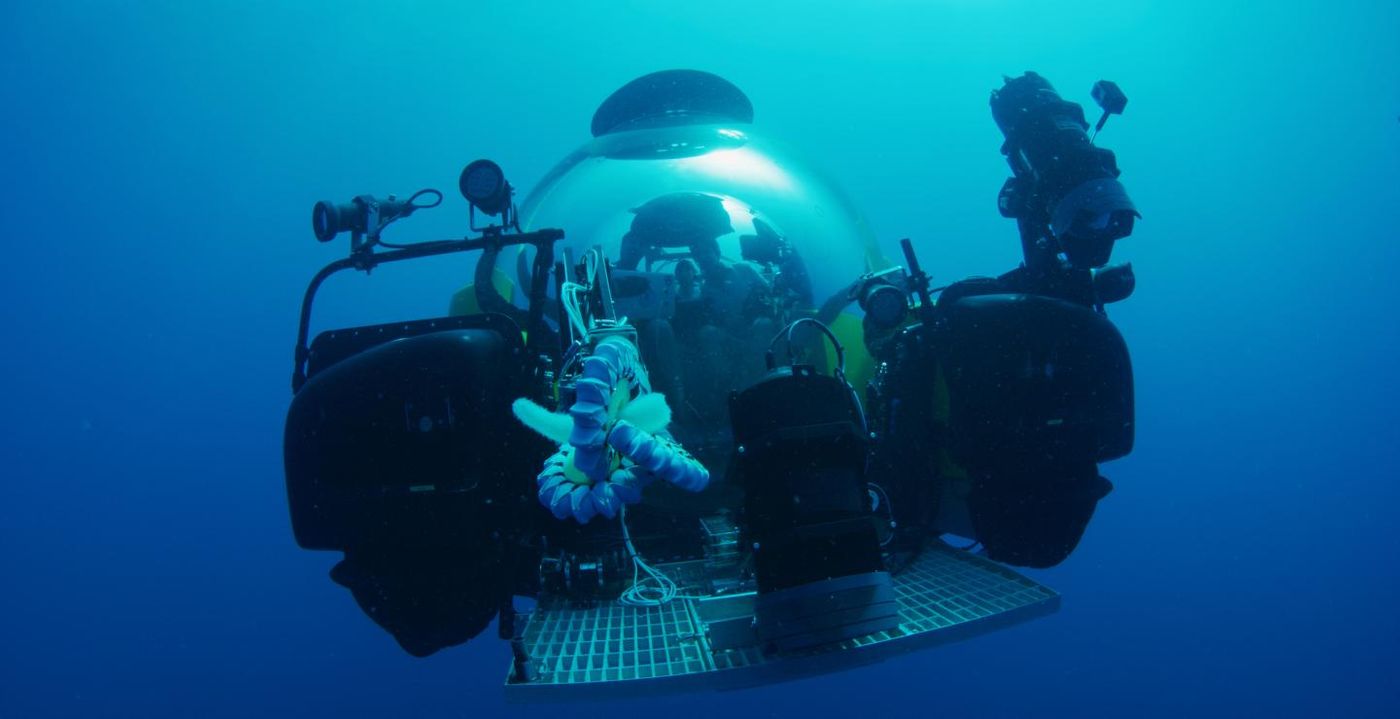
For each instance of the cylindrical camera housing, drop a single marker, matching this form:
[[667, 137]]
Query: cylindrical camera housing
[[365, 213], [329, 219]]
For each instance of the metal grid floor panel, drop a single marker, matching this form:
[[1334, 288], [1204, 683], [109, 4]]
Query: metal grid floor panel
[[611, 649], [612, 642]]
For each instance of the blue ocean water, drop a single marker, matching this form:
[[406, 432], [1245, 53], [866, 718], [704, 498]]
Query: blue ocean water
[[160, 159]]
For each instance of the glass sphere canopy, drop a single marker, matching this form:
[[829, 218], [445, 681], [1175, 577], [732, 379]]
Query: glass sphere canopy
[[742, 234], [595, 192], [685, 131]]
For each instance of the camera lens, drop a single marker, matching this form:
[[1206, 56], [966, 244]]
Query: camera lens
[[325, 221], [885, 305]]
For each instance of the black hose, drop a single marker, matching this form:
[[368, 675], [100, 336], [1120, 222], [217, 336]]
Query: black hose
[[487, 298]]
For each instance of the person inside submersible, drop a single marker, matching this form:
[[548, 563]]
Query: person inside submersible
[[725, 309]]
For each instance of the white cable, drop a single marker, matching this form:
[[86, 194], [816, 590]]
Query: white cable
[[654, 590], [570, 292]]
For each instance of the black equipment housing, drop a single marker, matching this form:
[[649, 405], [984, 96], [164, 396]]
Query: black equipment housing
[[1023, 393], [404, 441], [401, 451], [800, 457], [1036, 378]]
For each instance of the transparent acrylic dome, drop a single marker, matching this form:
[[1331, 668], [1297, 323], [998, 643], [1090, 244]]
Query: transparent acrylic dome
[[592, 193], [679, 189]]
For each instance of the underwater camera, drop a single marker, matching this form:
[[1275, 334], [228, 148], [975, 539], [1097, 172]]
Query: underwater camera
[[366, 215], [1060, 179]]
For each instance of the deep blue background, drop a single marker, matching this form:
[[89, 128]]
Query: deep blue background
[[159, 162]]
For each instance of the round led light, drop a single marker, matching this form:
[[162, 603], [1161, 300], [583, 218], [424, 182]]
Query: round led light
[[485, 187]]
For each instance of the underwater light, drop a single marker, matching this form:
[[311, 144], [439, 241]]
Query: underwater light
[[485, 187]]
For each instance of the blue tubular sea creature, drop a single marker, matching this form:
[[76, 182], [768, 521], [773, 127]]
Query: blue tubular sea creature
[[599, 399], [613, 440], [566, 498], [659, 455]]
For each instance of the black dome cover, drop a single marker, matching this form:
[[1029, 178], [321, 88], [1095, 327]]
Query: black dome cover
[[671, 97]]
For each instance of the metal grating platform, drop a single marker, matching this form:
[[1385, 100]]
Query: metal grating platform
[[612, 642], [614, 650]]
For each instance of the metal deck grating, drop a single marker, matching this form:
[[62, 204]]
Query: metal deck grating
[[945, 595], [944, 588], [612, 642]]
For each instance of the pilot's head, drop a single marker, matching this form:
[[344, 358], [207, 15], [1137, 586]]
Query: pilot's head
[[687, 221]]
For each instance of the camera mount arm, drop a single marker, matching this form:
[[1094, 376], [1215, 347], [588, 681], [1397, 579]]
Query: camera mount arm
[[543, 241]]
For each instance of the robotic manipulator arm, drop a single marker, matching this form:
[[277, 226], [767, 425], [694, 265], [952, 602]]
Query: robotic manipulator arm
[[613, 440]]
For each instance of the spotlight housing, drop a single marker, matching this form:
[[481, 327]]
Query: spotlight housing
[[484, 185]]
